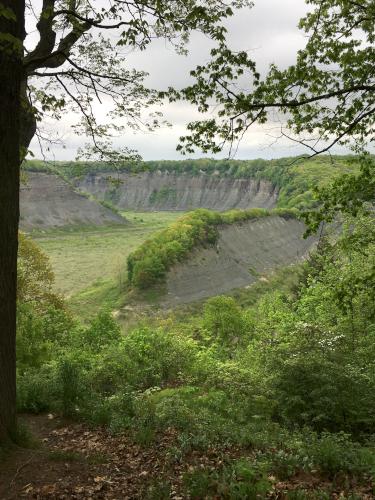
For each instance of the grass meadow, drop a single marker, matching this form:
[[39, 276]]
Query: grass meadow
[[90, 262]]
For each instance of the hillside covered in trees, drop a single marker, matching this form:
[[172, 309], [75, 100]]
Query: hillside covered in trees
[[294, 179]]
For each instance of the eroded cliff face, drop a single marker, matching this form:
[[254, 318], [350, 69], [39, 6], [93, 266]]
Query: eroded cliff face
[[243, 254], [172, 191], [48, 201]]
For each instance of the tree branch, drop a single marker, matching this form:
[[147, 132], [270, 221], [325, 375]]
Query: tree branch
[[47, 35], [295, 103], [91, 22]]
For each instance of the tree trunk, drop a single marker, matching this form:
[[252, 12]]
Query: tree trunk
[[12, 14]]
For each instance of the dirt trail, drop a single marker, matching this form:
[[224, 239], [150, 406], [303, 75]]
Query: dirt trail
[[74, 461]]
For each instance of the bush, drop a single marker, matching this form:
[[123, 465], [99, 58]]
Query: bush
[[101, 332], [223, 319], [35, 390], [35, 278], [144, 358], [37, 332]]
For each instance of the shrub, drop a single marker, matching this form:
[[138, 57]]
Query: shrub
[[35, 390], [101, 332], [223, 319], [70, 386], [35, 278], [32, 345], [144, 358]]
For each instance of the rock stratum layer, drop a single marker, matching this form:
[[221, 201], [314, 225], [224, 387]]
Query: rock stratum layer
[[243, 254], [47, 201], [171, 191]]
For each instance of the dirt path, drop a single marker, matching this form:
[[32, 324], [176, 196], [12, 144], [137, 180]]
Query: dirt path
[[73, 461]]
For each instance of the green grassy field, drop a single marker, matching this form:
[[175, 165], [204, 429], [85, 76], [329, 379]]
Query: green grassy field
[[90, 263]]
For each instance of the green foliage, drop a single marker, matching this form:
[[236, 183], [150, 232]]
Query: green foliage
[[35, 278], [223, 319], [320, 348], [349, 193], [101, 332], [325, 98], [35, 390], [41, 316], [334, 453], [236, 480], [71, 389], [149, 264], [144, 358], [287, 380]]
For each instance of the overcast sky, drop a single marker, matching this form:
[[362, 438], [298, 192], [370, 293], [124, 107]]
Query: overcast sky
[[268, 30]]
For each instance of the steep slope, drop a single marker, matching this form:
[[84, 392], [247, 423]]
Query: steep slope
[[163, 190], [48, 201], [242, 254]]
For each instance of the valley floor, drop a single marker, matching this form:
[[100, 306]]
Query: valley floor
[[90, 262]]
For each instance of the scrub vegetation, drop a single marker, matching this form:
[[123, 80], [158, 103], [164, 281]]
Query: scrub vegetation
[[284, 376]]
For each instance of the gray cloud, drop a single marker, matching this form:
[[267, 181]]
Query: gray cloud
[[268, 31]]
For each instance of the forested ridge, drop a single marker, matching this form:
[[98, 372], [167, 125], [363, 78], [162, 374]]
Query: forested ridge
[[294, 177], [149, 264]]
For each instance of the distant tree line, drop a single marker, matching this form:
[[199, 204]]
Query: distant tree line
[[296, 179]]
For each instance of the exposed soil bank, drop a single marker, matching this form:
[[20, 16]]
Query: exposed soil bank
[[171, 191], [48, 201], [243, 253]]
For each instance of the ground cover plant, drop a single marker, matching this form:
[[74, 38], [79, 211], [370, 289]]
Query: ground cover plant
[[281, 385]]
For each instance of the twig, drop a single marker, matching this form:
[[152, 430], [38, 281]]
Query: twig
[[19, 470]]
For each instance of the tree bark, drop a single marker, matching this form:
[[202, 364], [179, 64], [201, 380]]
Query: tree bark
[[12, 13]]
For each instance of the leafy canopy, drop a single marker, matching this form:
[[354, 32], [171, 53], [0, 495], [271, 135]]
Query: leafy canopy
[[80, 61], [325, 98]]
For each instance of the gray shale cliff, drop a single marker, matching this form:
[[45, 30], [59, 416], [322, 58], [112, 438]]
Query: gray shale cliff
[[173, 191], [47, 201], [244, 253]]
